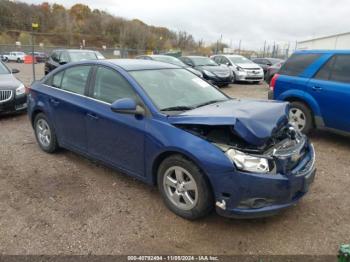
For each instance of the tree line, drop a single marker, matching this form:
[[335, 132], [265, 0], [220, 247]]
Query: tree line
[[60, 26]]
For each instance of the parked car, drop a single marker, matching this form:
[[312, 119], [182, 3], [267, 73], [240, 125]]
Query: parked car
[[317, 83], [165, 126], [211, 71], [272, 70], [64, 56], [266, 62], [14, 57], [12, 91], [243, 69], [40, 57], [170, 60]]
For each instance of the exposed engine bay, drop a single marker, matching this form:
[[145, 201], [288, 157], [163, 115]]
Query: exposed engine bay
[[285, 145]]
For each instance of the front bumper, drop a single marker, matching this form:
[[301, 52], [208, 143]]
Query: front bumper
[[219, 81], [16, 104], [249, 77], [244, 195]]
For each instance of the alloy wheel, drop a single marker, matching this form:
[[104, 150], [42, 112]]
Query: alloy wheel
[[43, 132], [297, 118], [180, 188]]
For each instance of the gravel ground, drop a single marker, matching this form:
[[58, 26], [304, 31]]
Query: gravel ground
[[65, 204]]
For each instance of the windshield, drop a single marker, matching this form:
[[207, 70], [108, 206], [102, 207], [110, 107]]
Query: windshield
[[239, 60], [176, 89], [203, 61], [79, 56], [169, 59], [3, 69]]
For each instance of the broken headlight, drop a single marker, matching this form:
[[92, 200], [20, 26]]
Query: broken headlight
[[247, 162]]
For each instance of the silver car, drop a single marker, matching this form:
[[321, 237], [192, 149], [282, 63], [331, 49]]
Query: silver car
[[243, 69]]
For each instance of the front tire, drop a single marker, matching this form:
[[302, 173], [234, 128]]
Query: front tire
[[184, 188], [45, 134], [300, 116]]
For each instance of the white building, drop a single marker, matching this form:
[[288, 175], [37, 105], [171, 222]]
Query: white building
[[338, 41]]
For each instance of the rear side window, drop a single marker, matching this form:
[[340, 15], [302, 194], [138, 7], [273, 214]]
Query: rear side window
[[111, 86], [297, 64], [341, 69], [325, 71], [57, 79], [75, 79]]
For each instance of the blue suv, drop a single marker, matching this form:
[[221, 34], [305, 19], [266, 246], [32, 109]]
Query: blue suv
[[317, 84]]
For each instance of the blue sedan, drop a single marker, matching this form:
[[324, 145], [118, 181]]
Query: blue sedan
[[167, 127]]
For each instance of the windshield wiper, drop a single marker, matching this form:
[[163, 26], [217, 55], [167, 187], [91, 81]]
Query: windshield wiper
[[211, 102], [177, 108]]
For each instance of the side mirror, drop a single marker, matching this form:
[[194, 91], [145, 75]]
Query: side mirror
[[14, 71], [62, 62], [127, 106], [269, 64]]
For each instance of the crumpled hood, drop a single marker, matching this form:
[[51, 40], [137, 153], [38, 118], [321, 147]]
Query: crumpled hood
[[217, 70], [8, 81], [253, 120]]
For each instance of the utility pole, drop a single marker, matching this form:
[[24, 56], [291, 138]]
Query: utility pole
[[35, 26], [239, 47], [264, 48]]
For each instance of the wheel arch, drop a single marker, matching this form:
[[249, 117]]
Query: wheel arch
[[165, 154]]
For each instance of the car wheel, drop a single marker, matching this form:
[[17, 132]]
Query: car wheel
[[300, 117], [6, 59], [184, 188], [18, 60], [45, 134]]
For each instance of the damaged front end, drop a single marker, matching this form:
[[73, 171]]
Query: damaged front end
[[280, 154]]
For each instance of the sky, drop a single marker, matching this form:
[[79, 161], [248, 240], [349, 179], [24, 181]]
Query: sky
[[250, 21]]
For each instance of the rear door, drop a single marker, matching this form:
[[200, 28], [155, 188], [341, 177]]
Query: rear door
[[68, 105], [330, 87], [115, 138], [291, 80]]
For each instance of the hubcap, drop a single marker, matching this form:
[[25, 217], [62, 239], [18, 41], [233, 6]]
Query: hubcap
[[43, 132], [297, 118], [180, 188]]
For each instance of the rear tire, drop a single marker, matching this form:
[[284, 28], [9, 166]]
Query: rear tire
[[45, 134], [18, 60], [184, 188], [300, 116]]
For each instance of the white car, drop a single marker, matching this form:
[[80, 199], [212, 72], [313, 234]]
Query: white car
[[14, 56], [243, 69]]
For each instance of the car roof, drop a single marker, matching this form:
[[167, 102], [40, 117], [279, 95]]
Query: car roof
[[139, 64], [322, 52], [74, 50]]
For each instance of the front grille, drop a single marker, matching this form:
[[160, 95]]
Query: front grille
[[252, 69], [5, 95]]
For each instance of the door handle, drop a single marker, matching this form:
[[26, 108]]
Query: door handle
[[92, 116], [316, 88], [54, 101]]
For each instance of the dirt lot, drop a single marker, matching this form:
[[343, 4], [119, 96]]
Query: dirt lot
[[65, 204]]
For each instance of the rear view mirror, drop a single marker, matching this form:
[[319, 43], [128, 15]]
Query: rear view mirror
[[127, 106], [14, 71]]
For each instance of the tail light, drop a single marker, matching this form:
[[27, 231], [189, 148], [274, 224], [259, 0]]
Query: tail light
[[273, 82]]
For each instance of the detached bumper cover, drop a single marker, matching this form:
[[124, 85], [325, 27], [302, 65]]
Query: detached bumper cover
[[255, 195]]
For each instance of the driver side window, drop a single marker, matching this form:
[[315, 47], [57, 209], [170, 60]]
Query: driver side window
[[111, 86]]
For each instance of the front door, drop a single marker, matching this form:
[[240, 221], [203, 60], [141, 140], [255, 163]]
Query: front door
[[115, 138]]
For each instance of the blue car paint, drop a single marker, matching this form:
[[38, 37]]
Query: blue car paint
[[135, 145], [328, 105], [255, 126]]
